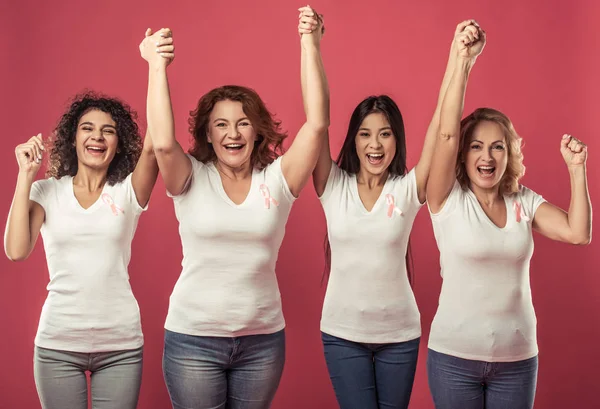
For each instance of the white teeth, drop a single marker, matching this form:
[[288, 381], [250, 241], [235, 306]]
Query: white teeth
[[94, 148], [233, 145], [375, 155]]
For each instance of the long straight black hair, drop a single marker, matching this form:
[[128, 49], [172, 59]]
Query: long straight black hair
[[349, 162]]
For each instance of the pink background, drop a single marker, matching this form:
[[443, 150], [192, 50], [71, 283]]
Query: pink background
[[540, 67]]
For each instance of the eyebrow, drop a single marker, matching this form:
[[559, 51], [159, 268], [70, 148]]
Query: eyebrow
[[225, 120], [103, 126], [381, 129], [498, 141]]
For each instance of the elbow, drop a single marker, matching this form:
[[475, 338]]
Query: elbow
[[447, 135], [582, 240], [13, 255], [163, 148], [319, 127]]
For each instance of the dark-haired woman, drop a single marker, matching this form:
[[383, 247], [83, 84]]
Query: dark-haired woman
[[370, 322], [483, 351], [98, 183], [224, 338]]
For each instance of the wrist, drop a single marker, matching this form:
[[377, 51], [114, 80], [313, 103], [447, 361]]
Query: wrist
[[465, 63], [25, 178], [576, 169], [309, 45], [157, 66]]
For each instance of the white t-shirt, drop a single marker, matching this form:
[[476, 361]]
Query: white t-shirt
[[485, 309], [228, 287], [369, 298], [90, 305]]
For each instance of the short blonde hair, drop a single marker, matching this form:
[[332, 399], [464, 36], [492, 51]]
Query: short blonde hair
[[514, 169]]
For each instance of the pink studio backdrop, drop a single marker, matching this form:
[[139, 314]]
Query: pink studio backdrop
[[540, 67]]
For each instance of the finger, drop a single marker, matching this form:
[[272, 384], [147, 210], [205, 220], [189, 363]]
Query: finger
[[40, 141], [306, 10], [166, 32], [464, 38], [37, 153], [309, 20], [473, 31], [148, 32], [461, 26], [29, 153], [165, 49], [165, 41], [38, 147], [564, 142], [167, 55]]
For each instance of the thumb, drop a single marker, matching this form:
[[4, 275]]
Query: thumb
[[148, 32], [565, 140]]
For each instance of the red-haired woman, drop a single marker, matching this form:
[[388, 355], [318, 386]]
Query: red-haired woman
[[224, 341], [482, 345]]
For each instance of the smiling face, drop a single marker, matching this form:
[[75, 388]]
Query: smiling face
[[231, 134], [486, 155], [375, 144], [96, 140]]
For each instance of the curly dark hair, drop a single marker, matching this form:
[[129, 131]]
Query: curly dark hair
[[268, 145], [63, 154]]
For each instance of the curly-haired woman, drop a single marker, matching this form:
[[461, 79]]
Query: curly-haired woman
[[224, 340], [482, 344], [99, 181]]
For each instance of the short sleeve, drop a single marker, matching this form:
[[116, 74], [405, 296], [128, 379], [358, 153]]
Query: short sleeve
[[411, 188], [333, 181], [530, 201], [131, 196], [39, 192], [196, 167], [450, 204], [275, 168]]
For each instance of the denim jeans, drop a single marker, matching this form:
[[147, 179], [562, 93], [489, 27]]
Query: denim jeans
[[457, 383], [371, 376], [220, 372], [61, 381]]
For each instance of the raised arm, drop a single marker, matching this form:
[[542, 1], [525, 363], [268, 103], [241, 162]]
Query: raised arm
[[424, 164], [145, 173], [299, 161], [442, 175], [175, 167], [574, 226], [25, 217]]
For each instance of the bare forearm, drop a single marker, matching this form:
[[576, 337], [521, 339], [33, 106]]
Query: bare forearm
[[159, 111], [580, 208], [17, 238], [315, 90], [453, 104]]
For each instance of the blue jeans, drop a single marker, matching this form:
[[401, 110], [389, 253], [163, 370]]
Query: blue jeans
[[221, 372], [61, 382], [457, 383], [371, 376]]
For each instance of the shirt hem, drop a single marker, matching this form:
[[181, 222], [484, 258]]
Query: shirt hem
[[225, 334], [484, 358], [372, 339], [70, 347]]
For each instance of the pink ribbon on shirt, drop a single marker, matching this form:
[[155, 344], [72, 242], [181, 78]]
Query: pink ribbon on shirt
[[106, 198], [392, 208], [519, 212], [264, 190]]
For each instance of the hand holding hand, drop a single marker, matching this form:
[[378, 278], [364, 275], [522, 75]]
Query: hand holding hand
[[310, 26], [158, 47]]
